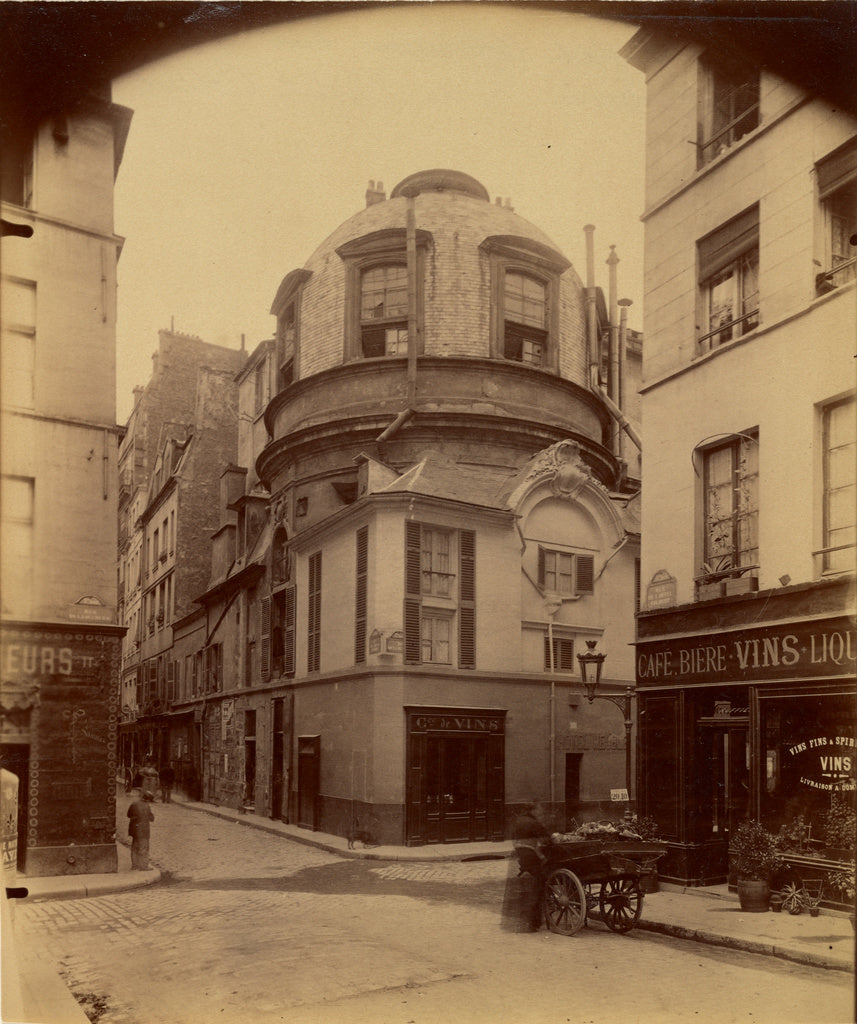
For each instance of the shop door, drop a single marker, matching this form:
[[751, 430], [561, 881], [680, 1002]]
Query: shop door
[[456, 789], [728, 800], [309, 776]]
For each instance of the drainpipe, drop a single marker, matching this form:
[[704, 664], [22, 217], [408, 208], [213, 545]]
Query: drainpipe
[[411, 252], [592, 353], [623, 343], [613, 354]]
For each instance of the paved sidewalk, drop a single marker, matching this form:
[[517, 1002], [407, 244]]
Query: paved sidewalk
[[709, 915]]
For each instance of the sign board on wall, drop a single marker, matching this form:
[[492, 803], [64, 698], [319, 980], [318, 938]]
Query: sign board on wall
[[793, 649]]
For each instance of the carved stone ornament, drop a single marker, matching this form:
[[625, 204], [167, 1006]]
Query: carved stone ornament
[[280, 510], [563, 466]]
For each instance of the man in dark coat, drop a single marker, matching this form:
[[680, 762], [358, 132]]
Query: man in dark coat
[[168, 778], [530, 835], [140, 817]]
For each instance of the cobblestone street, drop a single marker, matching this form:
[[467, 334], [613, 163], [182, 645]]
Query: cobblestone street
[[249, 927]]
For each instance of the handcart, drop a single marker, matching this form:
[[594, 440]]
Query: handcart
[[579, 875]]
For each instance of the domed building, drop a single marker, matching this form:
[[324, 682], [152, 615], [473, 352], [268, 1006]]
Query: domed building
[[435, 511]]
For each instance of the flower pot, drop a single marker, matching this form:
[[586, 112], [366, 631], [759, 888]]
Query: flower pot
[[753, 895], [776, 902], [813, 911]]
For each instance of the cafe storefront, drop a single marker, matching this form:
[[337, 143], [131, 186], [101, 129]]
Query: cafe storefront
[[753, 718]]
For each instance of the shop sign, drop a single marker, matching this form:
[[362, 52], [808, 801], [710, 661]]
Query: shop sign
[[825, 762], [827, 648], [457, 723], [580, 741]]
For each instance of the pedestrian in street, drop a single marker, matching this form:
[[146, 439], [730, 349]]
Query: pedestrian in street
[[168, 778], [149, 777], [522, 904], [140, 817]]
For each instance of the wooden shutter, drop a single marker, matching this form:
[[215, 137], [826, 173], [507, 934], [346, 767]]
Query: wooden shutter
[[467, 599], [171, 680], [289, 631], [362, 570], [314, 614], [413, 577], [541, 576], [584, 574], [265, 637]]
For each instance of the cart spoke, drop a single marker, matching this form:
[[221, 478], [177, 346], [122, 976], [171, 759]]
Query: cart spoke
[[564, 902], [620, 903]]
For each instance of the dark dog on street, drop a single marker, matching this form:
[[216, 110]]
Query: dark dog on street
[[359, 834]]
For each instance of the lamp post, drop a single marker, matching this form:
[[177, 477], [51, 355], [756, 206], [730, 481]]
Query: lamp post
[[591, 663]]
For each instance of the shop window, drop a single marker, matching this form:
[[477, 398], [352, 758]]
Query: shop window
[[566, 572], [729, 280], [809, 767], [837, 192], [731, 506], [524, 280], [728, 107], [840, 485], [314, 613], [360, 596], [376, 293], [563, 654], [433, 601]]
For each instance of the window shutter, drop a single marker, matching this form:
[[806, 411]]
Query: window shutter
[[837, 169], [728, 242], [413, 578], [289, 632], [584, 573], [314, 614], [467, 600], [362, 571], [265, 637], [566, 655], [541, 567], [171, 680]]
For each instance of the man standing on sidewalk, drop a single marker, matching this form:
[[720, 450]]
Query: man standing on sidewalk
[[140, 815], [168, 777]]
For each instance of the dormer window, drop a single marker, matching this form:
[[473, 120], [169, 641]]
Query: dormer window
[[525, 335], [525, 282], [376, 293], [384, 310]]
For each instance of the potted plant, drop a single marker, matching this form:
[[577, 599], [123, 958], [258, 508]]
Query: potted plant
[[839, 829], [792, 835], [843, 884], [754, 856]]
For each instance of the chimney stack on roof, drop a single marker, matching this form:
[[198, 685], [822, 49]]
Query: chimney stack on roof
[[375, 193]]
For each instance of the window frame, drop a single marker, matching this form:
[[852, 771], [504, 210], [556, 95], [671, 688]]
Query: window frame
[[581, 572], [829, 563], [519, 255], [710, 561], [722, 255], [711, 141], [836, 176], [314, 580], [286, 307], [385, 247]]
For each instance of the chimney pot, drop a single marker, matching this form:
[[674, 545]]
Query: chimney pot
[[375, 193]]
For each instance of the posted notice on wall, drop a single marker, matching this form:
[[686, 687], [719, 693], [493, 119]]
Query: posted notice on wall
[[618, 795]]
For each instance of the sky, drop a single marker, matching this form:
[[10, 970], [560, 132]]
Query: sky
[[246, 153]]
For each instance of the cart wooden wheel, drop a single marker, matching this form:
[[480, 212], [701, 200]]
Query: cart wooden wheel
[[620, 903], [564, 902]]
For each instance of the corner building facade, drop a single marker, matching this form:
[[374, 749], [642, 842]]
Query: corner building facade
[[746, 642], [437, 521]]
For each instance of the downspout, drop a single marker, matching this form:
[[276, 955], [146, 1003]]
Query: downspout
[[623, 343], [613, 375], [593, 381], [411, 253]]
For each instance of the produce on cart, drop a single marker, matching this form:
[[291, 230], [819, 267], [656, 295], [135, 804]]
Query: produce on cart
[[598, 865]]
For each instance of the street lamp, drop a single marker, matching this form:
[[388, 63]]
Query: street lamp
[[591, 663]]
